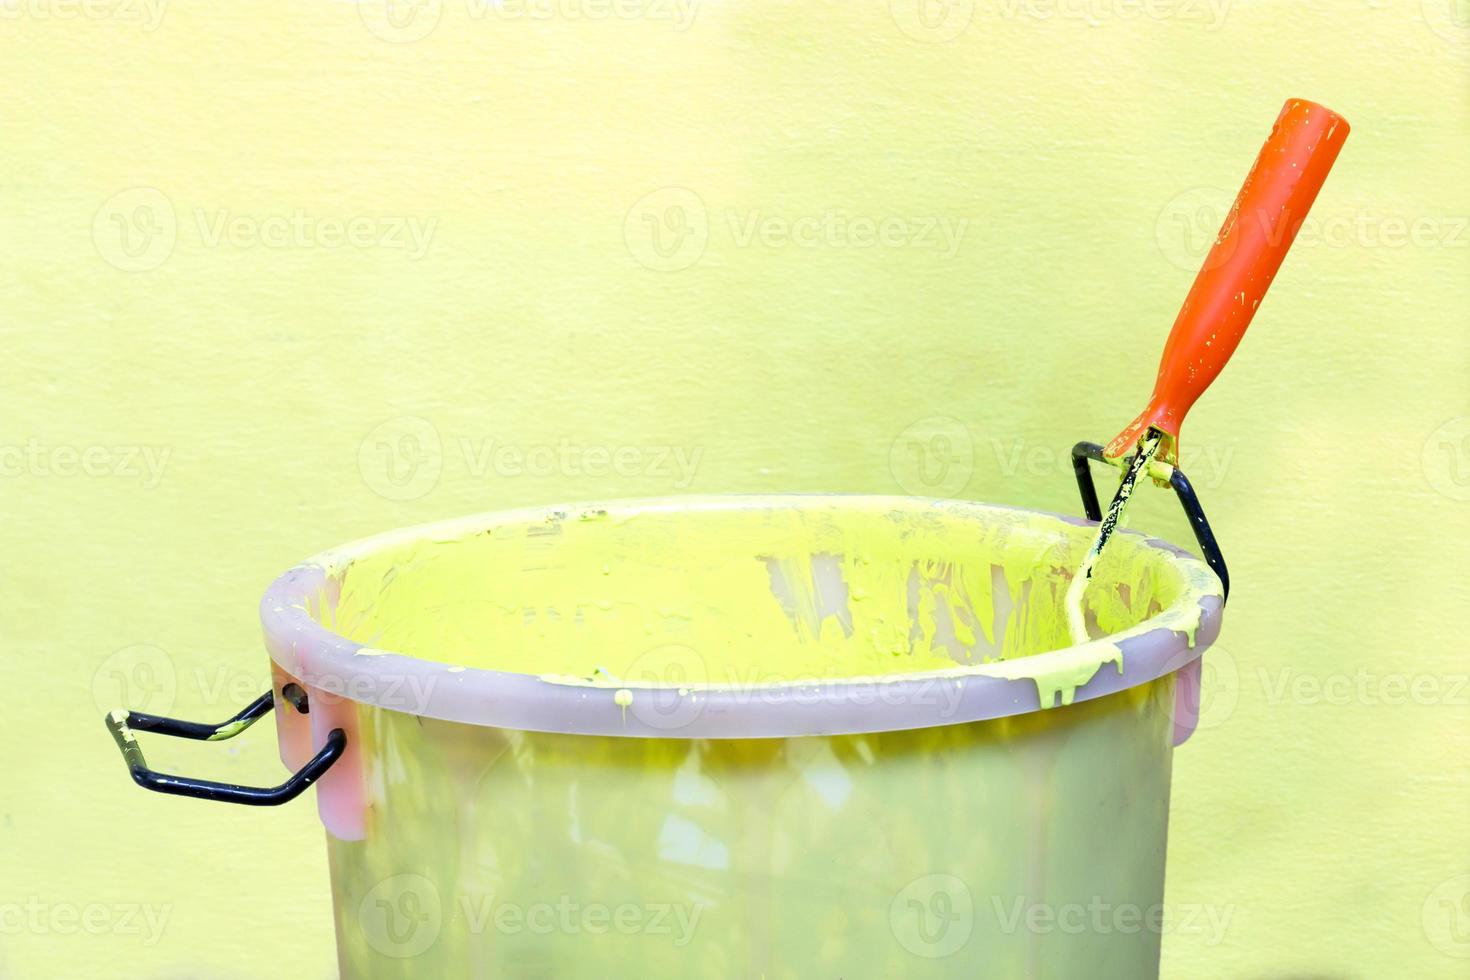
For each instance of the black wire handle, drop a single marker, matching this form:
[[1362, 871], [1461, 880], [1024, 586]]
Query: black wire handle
[[122, 724], [1183, 489]]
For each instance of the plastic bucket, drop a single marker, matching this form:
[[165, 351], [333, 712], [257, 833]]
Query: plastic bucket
[[791, 736]]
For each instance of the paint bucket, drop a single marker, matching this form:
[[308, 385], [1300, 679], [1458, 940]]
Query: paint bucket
[[789, 736]]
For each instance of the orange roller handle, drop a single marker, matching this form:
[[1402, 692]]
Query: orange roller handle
[[1258, 231]]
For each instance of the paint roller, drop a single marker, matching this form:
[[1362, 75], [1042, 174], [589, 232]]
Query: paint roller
[[1255, 236]]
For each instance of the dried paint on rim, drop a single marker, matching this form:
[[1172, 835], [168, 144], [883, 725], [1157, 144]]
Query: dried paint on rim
[[1167, 642]]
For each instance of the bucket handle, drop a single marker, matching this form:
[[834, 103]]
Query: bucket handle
[[1183, 489], [122, 723]]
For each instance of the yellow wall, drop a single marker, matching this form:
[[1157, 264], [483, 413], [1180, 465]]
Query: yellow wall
[[158, 296]]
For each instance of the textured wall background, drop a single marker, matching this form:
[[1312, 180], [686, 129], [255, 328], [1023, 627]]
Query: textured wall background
[[279, 277]]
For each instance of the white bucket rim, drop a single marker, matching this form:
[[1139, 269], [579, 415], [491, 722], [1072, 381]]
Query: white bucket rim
[[332, 665]]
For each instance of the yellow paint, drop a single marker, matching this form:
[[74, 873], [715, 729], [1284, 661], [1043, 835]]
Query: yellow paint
[[1112, 520], [757, 592], [1086, 157], [230, 730], [119, 716]]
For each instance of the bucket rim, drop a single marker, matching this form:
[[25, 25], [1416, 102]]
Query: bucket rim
[[333, 666]]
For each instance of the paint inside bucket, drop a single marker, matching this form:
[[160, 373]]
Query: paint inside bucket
[[694, 593]]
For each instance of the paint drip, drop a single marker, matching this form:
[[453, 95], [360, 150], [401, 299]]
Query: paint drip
[[1076, 619]]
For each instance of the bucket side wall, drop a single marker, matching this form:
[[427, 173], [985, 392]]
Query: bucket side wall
[[1031, 845]]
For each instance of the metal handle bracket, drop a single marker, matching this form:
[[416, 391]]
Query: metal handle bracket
[[1183, 489], [123, 724]]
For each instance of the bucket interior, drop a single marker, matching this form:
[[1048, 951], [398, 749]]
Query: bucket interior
[[738, 590]]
